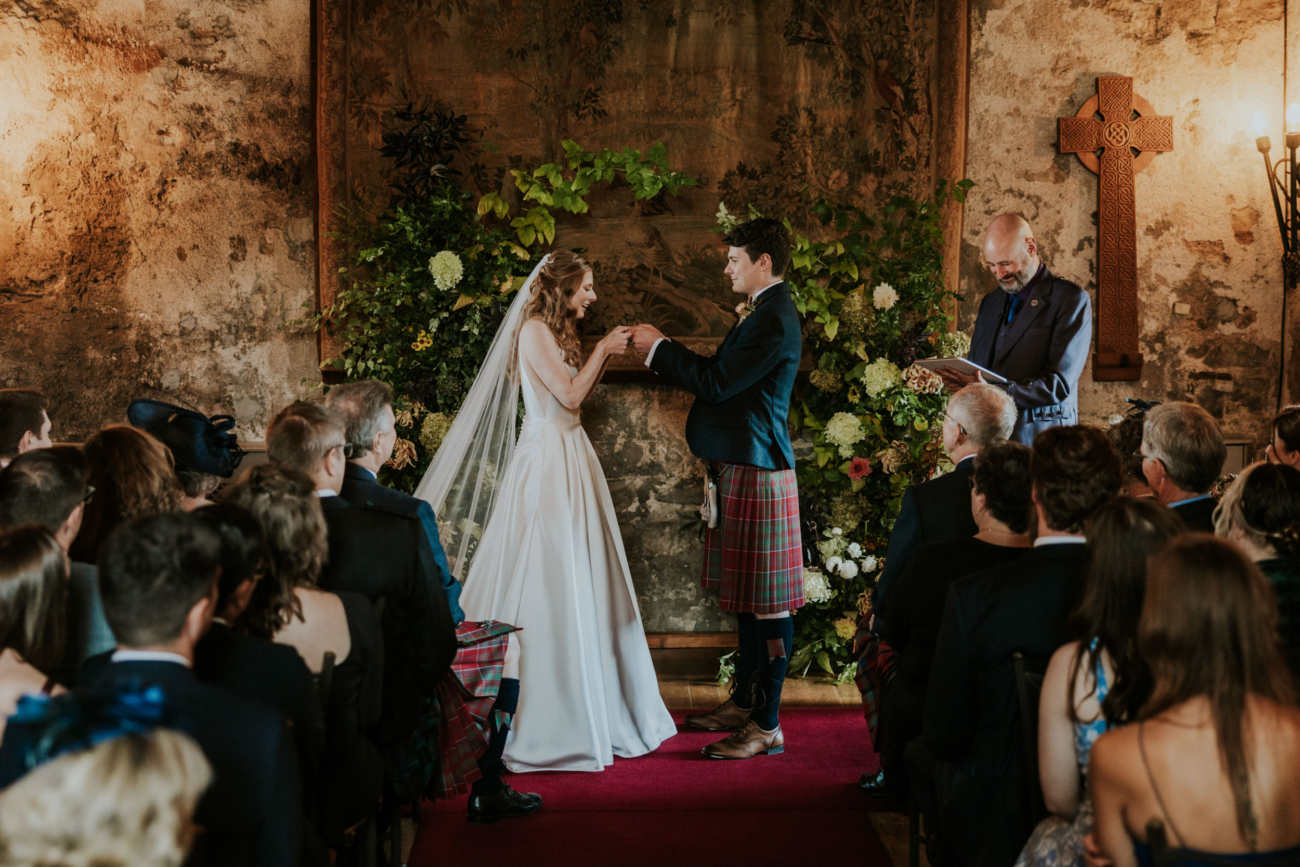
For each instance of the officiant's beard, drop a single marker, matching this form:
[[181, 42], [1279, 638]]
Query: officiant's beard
[[1013, 284]]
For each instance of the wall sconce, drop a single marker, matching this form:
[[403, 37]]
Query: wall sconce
[[1282, 182]]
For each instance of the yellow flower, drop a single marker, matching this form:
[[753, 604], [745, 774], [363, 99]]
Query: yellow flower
[[403, 455], [422, 342], [845, 628]]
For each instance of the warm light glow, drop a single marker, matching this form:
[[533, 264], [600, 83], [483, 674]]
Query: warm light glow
[[1259, 123], [1293, 117]]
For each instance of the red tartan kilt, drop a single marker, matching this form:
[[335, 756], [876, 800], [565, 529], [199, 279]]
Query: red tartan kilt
[[463, 701], [754, 558]]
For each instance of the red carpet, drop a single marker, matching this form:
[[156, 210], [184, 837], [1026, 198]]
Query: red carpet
[[678, 808]]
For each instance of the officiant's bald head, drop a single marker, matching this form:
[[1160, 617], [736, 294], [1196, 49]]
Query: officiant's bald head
[[1010, 252]]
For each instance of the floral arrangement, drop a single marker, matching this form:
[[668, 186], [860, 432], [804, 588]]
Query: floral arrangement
[[870, 289]]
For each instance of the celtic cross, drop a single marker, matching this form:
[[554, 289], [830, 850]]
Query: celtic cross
[[1127, 145]]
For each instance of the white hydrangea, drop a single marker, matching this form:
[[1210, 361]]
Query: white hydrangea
[[848, 570], [446, 270], [869, 564], [843, 430], [816, 588], [883, 297], [880, 376]]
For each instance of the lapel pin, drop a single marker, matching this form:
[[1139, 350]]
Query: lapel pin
[[1033, 303]]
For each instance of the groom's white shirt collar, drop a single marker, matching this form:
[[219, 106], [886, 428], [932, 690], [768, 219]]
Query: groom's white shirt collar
[[649, 356]]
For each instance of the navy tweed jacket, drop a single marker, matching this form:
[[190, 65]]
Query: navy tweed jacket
[[742, 393]]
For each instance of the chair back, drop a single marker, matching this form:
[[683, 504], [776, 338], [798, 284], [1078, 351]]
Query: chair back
[[1029, 686], [325, 681]]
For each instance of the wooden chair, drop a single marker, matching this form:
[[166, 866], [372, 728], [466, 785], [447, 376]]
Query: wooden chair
[[916, 835], [1029, 686]]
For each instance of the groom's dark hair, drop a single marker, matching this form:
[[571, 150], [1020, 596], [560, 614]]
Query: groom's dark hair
[[759, 236]]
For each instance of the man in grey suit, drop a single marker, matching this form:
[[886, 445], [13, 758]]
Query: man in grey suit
[[1035, 332]]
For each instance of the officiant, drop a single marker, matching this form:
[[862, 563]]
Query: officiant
[[1035, 331]]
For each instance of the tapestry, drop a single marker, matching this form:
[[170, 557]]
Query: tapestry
[[768, 103]]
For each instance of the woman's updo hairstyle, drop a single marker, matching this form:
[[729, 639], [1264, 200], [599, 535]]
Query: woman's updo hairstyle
[[552, 291], [1264, 503]]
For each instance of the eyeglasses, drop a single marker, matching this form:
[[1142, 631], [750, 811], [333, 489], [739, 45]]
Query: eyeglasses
[[971, 482], [90, 492], [960, 428], [349, 449]]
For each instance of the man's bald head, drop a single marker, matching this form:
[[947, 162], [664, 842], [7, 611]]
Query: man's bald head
[[1010, 252]]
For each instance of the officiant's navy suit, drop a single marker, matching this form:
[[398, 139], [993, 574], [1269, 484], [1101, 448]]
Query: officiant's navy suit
[[742, 393], [1039, 341]]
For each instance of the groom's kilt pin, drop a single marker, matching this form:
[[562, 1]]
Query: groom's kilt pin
[[456, 727], [754, 558]]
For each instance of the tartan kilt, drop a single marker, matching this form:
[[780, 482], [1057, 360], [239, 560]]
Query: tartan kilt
[[754, 558], [873, 674], [441, 759]]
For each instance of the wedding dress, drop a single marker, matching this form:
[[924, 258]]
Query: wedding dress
[[551, 561]]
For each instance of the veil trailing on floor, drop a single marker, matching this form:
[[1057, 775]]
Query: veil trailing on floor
[[463, 478]]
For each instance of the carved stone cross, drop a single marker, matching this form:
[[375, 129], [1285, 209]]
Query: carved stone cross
[[1118, 136]]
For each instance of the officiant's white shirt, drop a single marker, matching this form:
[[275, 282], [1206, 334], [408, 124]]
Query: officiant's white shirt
[[649, 356]]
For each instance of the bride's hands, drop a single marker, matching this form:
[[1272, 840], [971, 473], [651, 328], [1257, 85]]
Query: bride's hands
[[616, 341]]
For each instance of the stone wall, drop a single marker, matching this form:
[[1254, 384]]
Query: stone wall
[[157, 228], [1207, 237]]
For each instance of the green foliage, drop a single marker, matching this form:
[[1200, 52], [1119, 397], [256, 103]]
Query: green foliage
[[392, 321], [872, 422]]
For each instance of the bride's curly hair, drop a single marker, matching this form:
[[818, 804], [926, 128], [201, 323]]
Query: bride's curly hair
[[552, 290]]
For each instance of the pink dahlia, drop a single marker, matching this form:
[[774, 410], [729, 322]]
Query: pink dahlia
[[860, 468]]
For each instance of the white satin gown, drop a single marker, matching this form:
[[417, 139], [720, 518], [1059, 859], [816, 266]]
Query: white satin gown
[[551, 561]]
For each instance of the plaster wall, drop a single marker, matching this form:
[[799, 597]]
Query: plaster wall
[[156, 226], [1206, 233]]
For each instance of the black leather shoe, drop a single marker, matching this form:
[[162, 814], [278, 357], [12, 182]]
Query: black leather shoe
[[873, 784], [505, 804]]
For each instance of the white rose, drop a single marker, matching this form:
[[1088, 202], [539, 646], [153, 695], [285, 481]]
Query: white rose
[[855, 550], [834, 563], [836, 531], [869, 564], [884, 297], [849, 570]]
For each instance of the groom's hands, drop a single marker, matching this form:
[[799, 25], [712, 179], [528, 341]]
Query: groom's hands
[[644, 337]]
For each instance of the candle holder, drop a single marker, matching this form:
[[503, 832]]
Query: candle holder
[[1283, 181]]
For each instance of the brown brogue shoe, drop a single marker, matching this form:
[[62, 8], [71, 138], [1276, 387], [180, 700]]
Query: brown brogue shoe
[[747, 742], [726, 717]]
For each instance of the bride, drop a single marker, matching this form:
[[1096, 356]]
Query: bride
[[532, 533]]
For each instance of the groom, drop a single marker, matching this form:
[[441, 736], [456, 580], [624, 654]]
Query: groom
[[737, 425]]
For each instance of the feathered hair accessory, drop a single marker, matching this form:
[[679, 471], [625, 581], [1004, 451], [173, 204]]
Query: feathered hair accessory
[[72, 722]]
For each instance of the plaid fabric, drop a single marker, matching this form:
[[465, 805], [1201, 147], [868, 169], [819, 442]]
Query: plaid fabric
[[754, 558], [775, 648], [874, 672], [442, 755]]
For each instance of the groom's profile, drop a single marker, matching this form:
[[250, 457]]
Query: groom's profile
[[737, 426]]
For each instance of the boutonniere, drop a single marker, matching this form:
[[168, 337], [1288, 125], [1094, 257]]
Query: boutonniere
[[744, 308]]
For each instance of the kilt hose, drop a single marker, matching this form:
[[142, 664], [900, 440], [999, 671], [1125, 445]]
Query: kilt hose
[[754, 557], [441, 758]]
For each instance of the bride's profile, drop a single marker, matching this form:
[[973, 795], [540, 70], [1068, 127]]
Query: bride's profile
[[530, 528]]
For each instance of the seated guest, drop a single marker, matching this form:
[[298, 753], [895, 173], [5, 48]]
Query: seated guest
[[128, 800], [1284, 443], [999, 503], [33, 582], [1260, 513], [203, 449], [1126, 439], [24, 423], [473, 699], [46, 487], [131, 473], [1215, 753], [158, 581], [1099, 681], [977, 417], [968, 770], [287, 607], [1182, 455]]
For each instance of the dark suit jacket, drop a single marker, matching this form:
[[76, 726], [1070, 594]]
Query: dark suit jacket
[[1043, 353], [381, 554], [1198, 515], [972, 715], [360, 488], [742, 393], [252, 812], [933, 511]]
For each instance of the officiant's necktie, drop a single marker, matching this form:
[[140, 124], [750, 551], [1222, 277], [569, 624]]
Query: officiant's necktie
[[1016, 302]]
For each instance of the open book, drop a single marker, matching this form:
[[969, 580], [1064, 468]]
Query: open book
[[962, 365]]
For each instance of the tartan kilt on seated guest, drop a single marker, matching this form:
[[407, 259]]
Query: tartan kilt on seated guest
[[754, 558], [873, 674], [441, 759]]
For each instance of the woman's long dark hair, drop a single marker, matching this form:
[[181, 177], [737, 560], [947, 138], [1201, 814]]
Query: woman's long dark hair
[[1121, 534], [1209, 628], [33, 595]]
